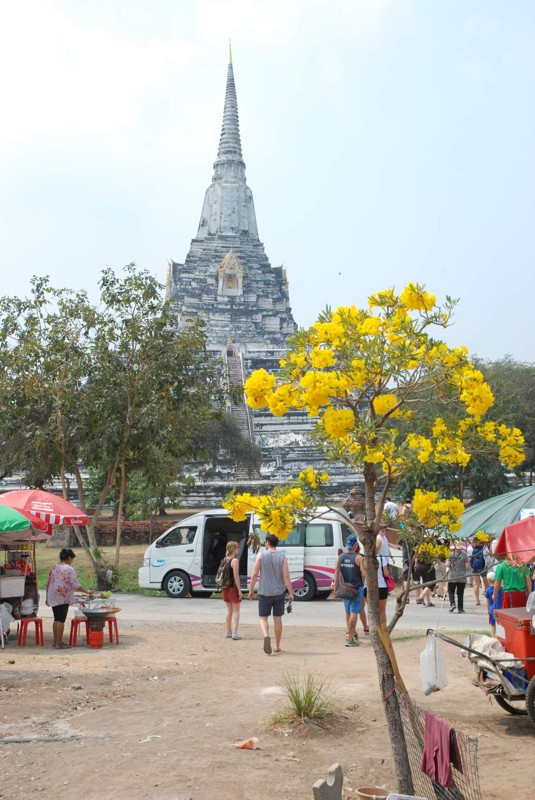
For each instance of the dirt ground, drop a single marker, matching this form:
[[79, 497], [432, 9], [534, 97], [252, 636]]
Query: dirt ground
[[158, 715]]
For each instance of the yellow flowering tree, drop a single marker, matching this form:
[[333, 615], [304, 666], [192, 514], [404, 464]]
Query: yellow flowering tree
[[364, 374]]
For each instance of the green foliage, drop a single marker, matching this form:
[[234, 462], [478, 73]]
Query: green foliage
[[127, 574], [483, 477], [307, 696], [223, 443], [144, 495], [116, 388], [513, 385], [45, 361]]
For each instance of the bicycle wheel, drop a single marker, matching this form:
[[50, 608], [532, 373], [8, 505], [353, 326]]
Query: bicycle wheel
[[515, 707], [530, 699], [488, 683]]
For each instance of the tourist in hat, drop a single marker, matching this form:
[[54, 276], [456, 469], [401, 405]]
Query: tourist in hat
[[350, 571]]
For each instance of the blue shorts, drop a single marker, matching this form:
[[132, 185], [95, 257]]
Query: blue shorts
[[268, 603], [354, 606]]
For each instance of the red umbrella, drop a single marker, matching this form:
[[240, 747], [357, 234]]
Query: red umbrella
[[518, 539], [49, 507], [37, 523]]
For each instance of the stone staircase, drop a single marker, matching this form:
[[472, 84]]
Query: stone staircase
[[240, 413]]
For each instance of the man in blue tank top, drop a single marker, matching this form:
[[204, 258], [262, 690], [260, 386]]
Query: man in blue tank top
[[350, 567], [274, 581]]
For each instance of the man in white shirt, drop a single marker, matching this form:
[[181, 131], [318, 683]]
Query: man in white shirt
[[391, 509]]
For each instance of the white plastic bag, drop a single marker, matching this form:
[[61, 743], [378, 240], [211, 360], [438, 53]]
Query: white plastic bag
[[5, 616], [530, 605], [432, 666]]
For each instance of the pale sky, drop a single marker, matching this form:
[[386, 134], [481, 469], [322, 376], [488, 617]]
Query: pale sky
[[385, 141]]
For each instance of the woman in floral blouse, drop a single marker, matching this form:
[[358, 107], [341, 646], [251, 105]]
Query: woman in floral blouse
[[62, 582]]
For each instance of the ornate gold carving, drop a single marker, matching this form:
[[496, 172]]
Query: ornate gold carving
[[230, 264]]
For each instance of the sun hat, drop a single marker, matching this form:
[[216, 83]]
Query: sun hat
[[351, 540], [491, 576]]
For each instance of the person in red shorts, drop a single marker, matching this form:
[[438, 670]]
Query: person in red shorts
[[513, 577], [232, 594]]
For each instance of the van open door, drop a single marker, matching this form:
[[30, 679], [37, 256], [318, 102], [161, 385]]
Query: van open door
[[292, 547]]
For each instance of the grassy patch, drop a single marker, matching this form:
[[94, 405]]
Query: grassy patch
[[131, 560], [308, 699]]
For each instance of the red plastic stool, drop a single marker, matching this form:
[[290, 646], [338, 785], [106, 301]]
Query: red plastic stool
[[113, 629], [75, 623], [23, 630]]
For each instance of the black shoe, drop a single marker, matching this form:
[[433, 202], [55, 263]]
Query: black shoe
[[452, 608], [461, 611]]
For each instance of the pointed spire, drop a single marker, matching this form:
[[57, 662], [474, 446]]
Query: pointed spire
[[228, 208], [229, 144]]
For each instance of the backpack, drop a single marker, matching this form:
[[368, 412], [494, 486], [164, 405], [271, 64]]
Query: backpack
[[224, 578], [343, 590], [478, 562]]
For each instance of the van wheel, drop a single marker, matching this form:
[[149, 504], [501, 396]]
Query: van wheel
[[308, 590], [195, 593], [176, 584]]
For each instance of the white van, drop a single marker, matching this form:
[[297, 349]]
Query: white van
[[184, 559]]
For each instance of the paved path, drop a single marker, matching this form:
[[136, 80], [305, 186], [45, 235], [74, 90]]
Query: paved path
[[140, 608]]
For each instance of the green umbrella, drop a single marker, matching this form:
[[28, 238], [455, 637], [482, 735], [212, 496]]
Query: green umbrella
[[12, 520], [494, 514]]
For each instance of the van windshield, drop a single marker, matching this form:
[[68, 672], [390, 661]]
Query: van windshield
[[178, 536]]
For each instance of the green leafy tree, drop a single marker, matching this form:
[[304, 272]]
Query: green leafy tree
[[513, 386], [45, 363], [116, 389]]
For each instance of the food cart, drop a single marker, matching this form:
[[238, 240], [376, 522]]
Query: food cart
[[18, 583]]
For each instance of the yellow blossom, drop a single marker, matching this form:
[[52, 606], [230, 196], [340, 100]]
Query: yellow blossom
[[373, 456], [415, 298], [322, 357], [370, 326], [422, 444], [338, 422], [422, 502], [383, 403]]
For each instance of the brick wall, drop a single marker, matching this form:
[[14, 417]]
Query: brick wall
[[138, 532], [133, 532]]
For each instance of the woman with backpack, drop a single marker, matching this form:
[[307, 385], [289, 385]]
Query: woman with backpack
[[231, 590], [479, 559]]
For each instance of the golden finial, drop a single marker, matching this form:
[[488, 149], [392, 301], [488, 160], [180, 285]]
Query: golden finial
[[229, 52]]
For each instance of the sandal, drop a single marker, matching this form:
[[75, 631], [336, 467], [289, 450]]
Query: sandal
[[62, 646], [429, 605], [366, 631], [420, 602]]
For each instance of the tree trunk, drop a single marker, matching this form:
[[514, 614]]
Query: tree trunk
[[101, 570], [385, 668], [122, 491]]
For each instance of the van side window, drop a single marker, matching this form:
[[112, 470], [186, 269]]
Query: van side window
[[319, 535], [178, 536], [294, 538]]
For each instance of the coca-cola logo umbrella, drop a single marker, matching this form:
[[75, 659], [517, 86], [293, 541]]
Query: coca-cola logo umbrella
[[46, 506]]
